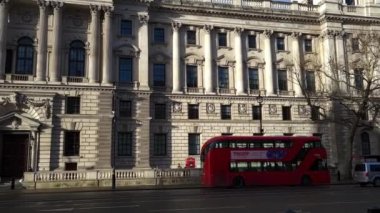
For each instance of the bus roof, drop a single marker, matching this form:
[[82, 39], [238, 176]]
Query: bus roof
[[258, 138]]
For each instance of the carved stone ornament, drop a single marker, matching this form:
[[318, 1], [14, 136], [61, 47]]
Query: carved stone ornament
[[272, 109], [210, 108], [16, 122], [3, 2], [302, 110], [242, 108], [143, 18], [177, 107], [208, 28], [23, 102], [176, 25], [268, 33]]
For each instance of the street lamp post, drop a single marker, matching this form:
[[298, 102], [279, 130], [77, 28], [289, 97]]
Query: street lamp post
[[113, 141], [260, 100]]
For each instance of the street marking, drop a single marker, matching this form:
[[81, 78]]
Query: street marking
[[195, 209], [87, 208]]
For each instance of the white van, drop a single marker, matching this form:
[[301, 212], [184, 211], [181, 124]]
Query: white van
[[368, 172]]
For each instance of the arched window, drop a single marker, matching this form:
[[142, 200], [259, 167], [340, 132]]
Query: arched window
[[366, 147], [25, 52], [76, 59]]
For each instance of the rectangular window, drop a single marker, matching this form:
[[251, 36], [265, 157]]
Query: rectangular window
[[282, 80], [124, 144], [159, 147], [194, 144], [315, 116], [225, 112], [191, 76], [8, 61], [126, 28], [71, 166], [358, 73], [159, 75], [72, 105], [125, 109], [160, 111], [355, 44], [193, 111], [252, 41], [125, 70], [222, 39], [286, 113], [71, 143], [308, 45], [256, 112], [310, 81], [280, 43], [253, 74], [159, 35], [190, 37], [223, 77]]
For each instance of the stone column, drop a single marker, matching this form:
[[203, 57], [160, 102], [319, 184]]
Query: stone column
[[143, 69], [329, 55], [42, 42], [268, 62], [341, 60], [3, 35], [55, 65], [94, 45], [176, 58], [239, 77], [107, 46], [297, 72], [207, 73]]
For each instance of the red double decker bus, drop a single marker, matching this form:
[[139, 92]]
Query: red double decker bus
[[264, 160]]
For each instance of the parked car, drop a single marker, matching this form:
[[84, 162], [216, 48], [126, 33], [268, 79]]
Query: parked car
[[366, 173]]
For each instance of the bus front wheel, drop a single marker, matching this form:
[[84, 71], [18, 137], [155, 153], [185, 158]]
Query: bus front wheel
[[306, 181], [239, 182]]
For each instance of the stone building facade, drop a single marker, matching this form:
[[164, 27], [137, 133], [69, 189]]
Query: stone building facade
[[87, 85]]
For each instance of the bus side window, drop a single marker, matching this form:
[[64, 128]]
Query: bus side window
[[308, 145], [233, 166], [268, 144], [255, 166], [317, 144], [242, 166], [241, 145], [232, 144]]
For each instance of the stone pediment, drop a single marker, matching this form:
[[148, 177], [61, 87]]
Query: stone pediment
[[18, 121]]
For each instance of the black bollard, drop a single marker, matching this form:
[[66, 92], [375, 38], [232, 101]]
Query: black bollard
[[13, 183]]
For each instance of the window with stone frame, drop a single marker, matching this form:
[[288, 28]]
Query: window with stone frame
[[223, 77], [193, 111], [159, 144], [225, 112], [355, 45], [194, 143], [315, 115], [310, 81], [253, 75], [191, 37], [126, 28], [72, 105], [159, 35], [366, 145], [222, 39], [159, 75], [280, 43], [77, 59], [308, 45], [191, 76], [286, 113], [256, 112], [25, 56], [159, 111], [358, 77], [282, 77], [252, 41], [125, 108], [124, 144], [125, 70], [71, 143]]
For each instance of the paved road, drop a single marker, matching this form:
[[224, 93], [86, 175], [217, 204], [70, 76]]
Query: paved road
[[337, 199]]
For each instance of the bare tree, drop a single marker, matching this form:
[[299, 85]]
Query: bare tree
[[351, 88]]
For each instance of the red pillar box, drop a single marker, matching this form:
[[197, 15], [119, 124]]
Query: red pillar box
[[190, 163]]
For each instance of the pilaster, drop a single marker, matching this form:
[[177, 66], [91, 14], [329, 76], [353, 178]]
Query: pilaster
[[268, 62], [297, 73], [3, 35], [55, 65], [94, 45], [107, 77], [176, 58], [239, 77], [207, 74], [42, 42], [143, 68]]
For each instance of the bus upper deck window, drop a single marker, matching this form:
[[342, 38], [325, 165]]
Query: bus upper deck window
[[317, 144], [241, 145]]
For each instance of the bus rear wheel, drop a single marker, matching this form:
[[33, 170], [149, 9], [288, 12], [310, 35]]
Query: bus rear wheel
[[306, 181], [239, 182]]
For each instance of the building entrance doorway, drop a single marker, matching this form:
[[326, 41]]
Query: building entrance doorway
[[14, 155]]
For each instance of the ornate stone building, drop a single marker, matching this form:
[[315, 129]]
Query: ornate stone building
[[160, 77]]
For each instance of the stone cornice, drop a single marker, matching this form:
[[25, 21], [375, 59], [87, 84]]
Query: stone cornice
[[48, 88], [349, 19]]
